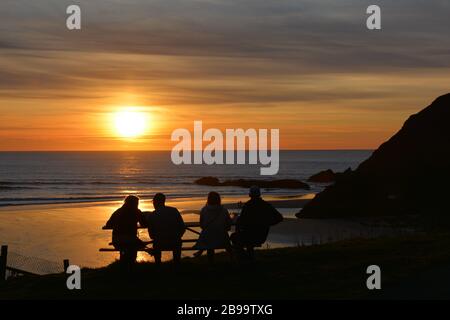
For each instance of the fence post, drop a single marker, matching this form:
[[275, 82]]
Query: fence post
[[3, 260], [66, 265]]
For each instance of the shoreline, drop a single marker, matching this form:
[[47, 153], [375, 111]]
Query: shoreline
[[231, 202], [74, 231]]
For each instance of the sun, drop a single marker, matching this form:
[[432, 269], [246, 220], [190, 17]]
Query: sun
[[130, 123]]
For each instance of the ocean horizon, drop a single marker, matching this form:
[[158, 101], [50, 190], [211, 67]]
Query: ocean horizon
[[47, 177]]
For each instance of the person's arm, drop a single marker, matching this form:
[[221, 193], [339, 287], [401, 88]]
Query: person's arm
[[141, 219], [202, 218], [240, 221], [276, 216], [148, 223], [228, 221], [181, 225], [151, 234], [112, 222]]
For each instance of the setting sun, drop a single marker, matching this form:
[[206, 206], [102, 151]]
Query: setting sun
[[130, 124]]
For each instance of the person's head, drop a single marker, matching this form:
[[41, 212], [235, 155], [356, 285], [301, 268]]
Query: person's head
[[159, 200], [131, 202], [254, 192], [213, 199]]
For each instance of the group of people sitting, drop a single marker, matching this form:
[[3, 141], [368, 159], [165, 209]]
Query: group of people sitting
[[166, 227]]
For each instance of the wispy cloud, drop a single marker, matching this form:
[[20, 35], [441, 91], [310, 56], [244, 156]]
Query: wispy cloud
[[243, 55]]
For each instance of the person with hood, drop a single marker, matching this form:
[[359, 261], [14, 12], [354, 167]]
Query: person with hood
[[124, 223]]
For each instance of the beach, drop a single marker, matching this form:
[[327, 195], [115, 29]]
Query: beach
[[54, 232], [53, 205]]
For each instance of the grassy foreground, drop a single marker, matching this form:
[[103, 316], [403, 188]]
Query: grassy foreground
[[412, 267]]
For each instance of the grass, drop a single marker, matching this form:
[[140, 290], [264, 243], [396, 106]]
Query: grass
[[329, 271]]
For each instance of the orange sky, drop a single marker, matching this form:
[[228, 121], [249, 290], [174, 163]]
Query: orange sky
[[338, 87]]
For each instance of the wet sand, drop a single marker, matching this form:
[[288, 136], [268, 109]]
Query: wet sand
[[73, 231]]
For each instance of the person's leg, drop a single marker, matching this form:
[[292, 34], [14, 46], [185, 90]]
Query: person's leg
[[176, 255], [127, 259], [251, 253], [210, 253], [229, 250], [123, 260], [157, 256], [198, 253], [234, 238], [238, 245], [238, 240], [133, 256]]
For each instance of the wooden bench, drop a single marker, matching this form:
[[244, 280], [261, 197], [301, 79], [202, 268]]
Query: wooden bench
[[189, 227], [112, 249]]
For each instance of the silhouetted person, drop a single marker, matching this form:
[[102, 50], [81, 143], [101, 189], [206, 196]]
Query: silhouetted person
[[253, 223], [166, 228], [215, 223], [124, 222]]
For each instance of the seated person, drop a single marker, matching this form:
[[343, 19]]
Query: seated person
[[124, 222], [166, 228], [215, 223], [253, 224]]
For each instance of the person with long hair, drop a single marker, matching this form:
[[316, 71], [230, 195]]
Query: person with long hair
[[215, 223]]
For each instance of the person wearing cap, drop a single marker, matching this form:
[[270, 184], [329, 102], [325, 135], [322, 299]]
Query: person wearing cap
[[166, 227], [253, 224], [124, 222]]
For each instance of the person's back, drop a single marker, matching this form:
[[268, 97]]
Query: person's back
[[254, 222], [124, 222], [256, 217], [215, 223], [165, 226]]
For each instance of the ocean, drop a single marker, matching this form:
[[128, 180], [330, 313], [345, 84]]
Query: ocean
[[72, 177], [76, 192]]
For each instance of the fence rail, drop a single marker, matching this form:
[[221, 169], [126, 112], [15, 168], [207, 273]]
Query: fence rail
[[12, 263]]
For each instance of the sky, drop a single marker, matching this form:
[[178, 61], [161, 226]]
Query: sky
[[308, 68]]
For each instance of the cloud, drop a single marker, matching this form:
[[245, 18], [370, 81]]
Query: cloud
[[207, 52], [303, 32]]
